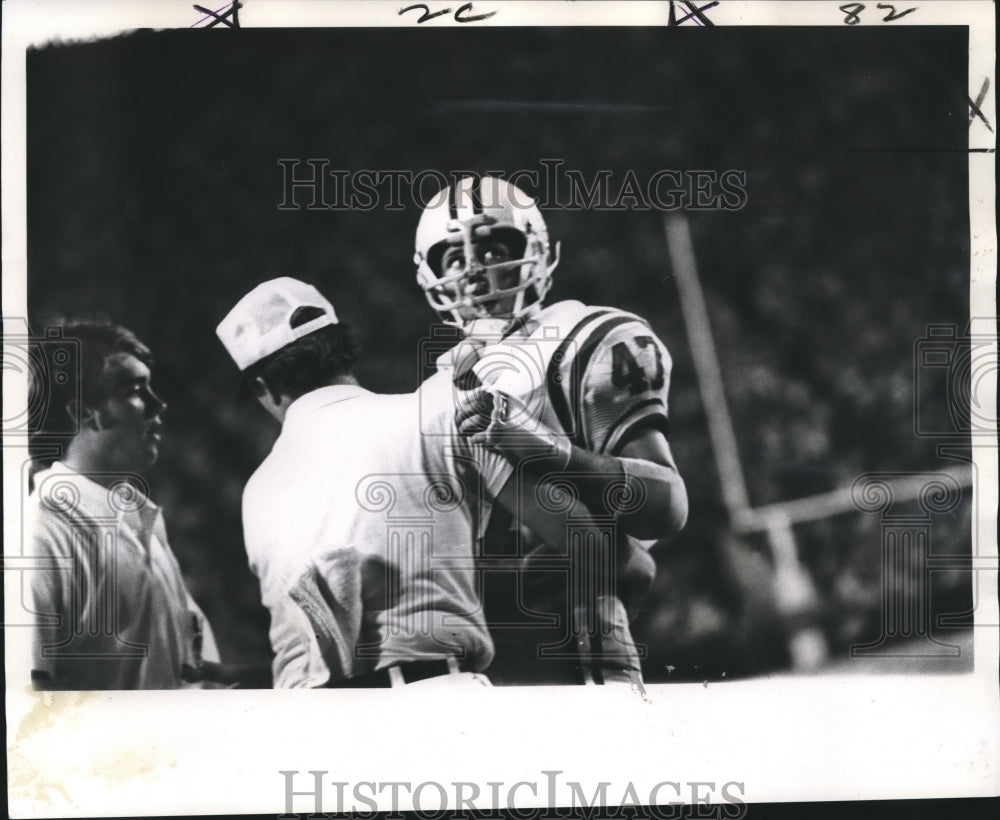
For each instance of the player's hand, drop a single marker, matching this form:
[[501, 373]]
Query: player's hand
[[489, 417], [474, 411], [504, 423]]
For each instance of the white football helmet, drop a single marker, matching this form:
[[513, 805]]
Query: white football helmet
[[482, 252]]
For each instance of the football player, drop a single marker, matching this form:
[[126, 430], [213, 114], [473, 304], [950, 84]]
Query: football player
[[571, 391]]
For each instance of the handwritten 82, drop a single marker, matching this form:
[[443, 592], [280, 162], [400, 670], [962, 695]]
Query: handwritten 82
[[853, 12]]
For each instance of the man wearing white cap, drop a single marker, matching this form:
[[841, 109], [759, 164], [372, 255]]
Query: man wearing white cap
[[359, 527]]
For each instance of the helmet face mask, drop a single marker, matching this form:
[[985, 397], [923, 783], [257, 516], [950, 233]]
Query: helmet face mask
[[485, 257]]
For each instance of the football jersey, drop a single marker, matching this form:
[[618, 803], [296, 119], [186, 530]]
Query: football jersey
[[595, 374]]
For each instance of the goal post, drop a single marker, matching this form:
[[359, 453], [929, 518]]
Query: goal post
[[794, 591]]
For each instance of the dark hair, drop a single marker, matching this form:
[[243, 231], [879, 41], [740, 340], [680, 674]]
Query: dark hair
[[67, 362], [308, 363]]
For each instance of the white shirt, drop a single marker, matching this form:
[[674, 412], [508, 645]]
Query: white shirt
[[112, 608], [362, 540]]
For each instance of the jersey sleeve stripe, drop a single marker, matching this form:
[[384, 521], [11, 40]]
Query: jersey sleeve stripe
[[557, 394], [580, 369], [642, 412]]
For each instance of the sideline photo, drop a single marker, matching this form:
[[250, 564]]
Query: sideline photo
[[645, 368]]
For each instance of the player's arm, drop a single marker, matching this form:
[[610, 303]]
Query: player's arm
[[529, 493], [522, 497], [640, 483], [529, 496], [614, 447], [546, 509], [652, 498]]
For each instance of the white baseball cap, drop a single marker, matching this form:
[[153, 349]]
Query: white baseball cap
[[261, 322]]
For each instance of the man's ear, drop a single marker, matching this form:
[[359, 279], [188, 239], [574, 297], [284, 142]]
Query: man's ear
[[85, 416], [261, 389], [268, 398]]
